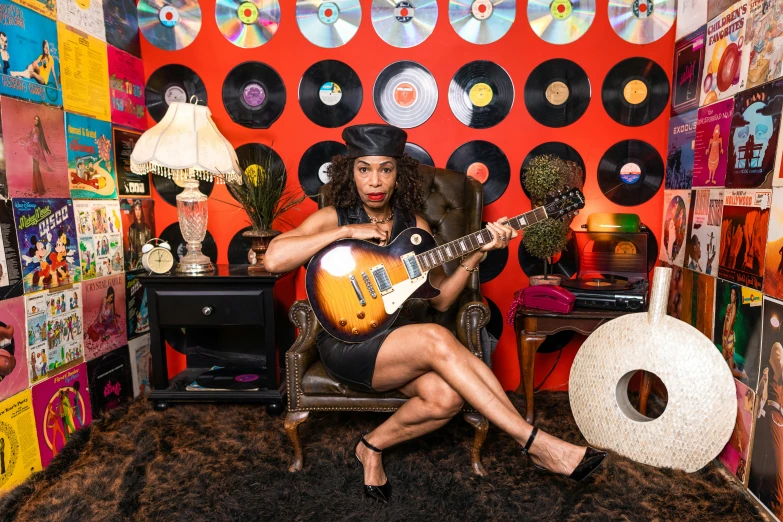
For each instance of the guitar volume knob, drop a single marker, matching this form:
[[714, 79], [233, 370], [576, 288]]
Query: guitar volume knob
[[373, 324], [355, 331], [360, 315], [343, 322]]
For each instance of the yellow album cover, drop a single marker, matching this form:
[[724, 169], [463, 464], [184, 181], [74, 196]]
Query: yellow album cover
[[44, 7], [19, 454], [85, 73]]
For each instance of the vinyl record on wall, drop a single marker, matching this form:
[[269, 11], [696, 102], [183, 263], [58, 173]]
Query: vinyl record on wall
[[169, 189], [482, 21], [497, 319], [172, 234], [560, 21], [642, 21], [169, 24], [557, 93], [492, 263], [481, 94], [635, 92], [485, 162], [562, 150], [254, 95], [313, 165], [330, 93], [253, 158], [630, 172], [247, 23], [328, 23], [238, 248], [565, 263], [405, 94], [172, 83], [418, 153], [404, 24]]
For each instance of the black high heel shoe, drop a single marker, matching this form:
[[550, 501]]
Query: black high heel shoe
[[587, 465], [379, 493]]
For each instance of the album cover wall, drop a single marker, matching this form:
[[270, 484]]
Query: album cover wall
[[697, 295], [724, 73], [138, 227], [773, 261], [704, 231], [10, 263], [736, 455], [688, 66], [126, 89], [675, 226], [737, 332], [141, 364], [85, 73], [743, 236], [691, 15], [763, 42], [711, 154], [122, 25], [13, 348], [111, 380], [680, 161], [104, 315], [136, 307], [19, 454], [129, 184], [90, 158], [99, 230]]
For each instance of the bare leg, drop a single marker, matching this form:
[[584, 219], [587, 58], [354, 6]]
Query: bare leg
[[414, 350]]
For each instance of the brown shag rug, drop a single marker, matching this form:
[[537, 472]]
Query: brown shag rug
[[229, 462]]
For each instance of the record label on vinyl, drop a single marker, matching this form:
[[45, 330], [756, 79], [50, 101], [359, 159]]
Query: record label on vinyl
[[253, 95], [330, 94], [175, 93], [630, 173], [561, 9], [480, 94], [478, 171], [405, 94], [328, 12], [481, 9], [247, 12], [635, 92], [557, 93]]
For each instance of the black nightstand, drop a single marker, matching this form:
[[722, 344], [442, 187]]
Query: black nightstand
[[229, 315]]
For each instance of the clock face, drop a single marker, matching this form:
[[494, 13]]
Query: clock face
[[160, 260]]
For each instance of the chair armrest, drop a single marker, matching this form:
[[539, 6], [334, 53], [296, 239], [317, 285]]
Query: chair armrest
[[304, 350], [473, 315]]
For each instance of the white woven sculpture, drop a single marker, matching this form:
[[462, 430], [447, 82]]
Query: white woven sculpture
[[701, 409]]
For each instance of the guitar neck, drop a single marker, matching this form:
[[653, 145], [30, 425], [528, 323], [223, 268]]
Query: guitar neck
[[472, 242]]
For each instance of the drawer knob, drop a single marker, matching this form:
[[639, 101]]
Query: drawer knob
[[207, 310]]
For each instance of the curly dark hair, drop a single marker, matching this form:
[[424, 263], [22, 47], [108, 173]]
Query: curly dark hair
[[406, 197]]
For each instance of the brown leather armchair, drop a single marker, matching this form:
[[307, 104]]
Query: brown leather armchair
[[453, 209]]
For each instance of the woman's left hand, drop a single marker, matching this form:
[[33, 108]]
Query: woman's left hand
[[502, 233]]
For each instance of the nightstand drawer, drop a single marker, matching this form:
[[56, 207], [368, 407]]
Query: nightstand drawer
[[207, 308]]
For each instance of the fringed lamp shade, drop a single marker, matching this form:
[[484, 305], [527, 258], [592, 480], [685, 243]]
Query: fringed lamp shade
[[186, 144]]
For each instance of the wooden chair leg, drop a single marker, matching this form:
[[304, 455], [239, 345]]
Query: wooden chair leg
[[292, 422], [481, 426]]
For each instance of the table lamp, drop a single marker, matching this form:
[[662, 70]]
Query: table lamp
[[186, 147]]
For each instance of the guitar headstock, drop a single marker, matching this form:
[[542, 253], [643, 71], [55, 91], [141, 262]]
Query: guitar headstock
[[564, 204]]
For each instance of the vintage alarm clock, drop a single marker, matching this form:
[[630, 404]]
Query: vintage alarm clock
[[156, 256]]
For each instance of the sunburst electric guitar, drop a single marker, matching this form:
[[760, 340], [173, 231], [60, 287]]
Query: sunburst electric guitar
[[356, 288]]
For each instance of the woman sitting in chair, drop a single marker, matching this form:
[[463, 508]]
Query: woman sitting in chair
[[375, 192]]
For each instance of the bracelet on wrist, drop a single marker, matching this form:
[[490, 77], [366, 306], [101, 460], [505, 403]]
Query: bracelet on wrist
[[463, 265]]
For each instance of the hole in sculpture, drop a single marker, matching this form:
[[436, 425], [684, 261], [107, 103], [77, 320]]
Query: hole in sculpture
[[630, 392]]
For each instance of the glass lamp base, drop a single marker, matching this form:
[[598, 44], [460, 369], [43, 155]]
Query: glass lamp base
[[194, 262], [193, 214]]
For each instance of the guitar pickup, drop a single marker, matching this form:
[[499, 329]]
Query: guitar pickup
[[368, 284], [412, 266], [381, 279]]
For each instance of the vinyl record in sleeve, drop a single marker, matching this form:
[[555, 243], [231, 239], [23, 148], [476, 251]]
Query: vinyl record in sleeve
[[330, 93], [485, 162], [564, 263], [630, 172], [254, 95], [252, 158], [314, 164], [328, 23], [169, 189], [635, 92], [557, 93], [562, 150], [172, 83], [405, 94], [172, 234], [418, 153], [481, 94]]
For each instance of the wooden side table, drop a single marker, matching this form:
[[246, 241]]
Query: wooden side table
[[532, 326]]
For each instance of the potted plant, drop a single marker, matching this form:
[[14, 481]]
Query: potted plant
[[264, 196], [544, 240], [543, 175]]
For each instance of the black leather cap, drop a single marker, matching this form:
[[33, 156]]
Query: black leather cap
[[374, 140]]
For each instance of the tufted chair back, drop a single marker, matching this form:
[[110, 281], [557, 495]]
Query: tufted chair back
[[452, 207]]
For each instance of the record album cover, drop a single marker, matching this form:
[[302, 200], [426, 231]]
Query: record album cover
[[736, 455], [136, 305], [46, 231], [141, 364], [755, 129], [122, 25], [3, 178], [104, 315], [691, 14], [679, 161], [10, 265], [737, 332], [138, 227], [713, 127], [54, 331], [90, 158], [716, 7], [85, 73], [13, 348], [19, 455], [773, 262], [766, 467], [126, 87], [674, 305], [29, 55], [703, 240], [47, 8], [83, 15], [697, 294], [675, 226], [724, 62], [111, 380], [688, 66], [764, 41], [130, 184], [99, 229], [743, 235], [35, 154], [62, 406]]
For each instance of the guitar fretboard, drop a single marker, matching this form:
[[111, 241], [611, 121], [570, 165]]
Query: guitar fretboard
[[464, 245]]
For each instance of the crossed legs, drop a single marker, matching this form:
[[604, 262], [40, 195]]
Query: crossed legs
[[427, 363]]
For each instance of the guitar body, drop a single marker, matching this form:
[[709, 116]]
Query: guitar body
[[356, 288]]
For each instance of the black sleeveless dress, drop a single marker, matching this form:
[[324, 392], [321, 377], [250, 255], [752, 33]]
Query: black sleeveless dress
[[353, 364]]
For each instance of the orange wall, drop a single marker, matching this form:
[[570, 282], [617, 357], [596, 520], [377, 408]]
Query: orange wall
[[443, 53]]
